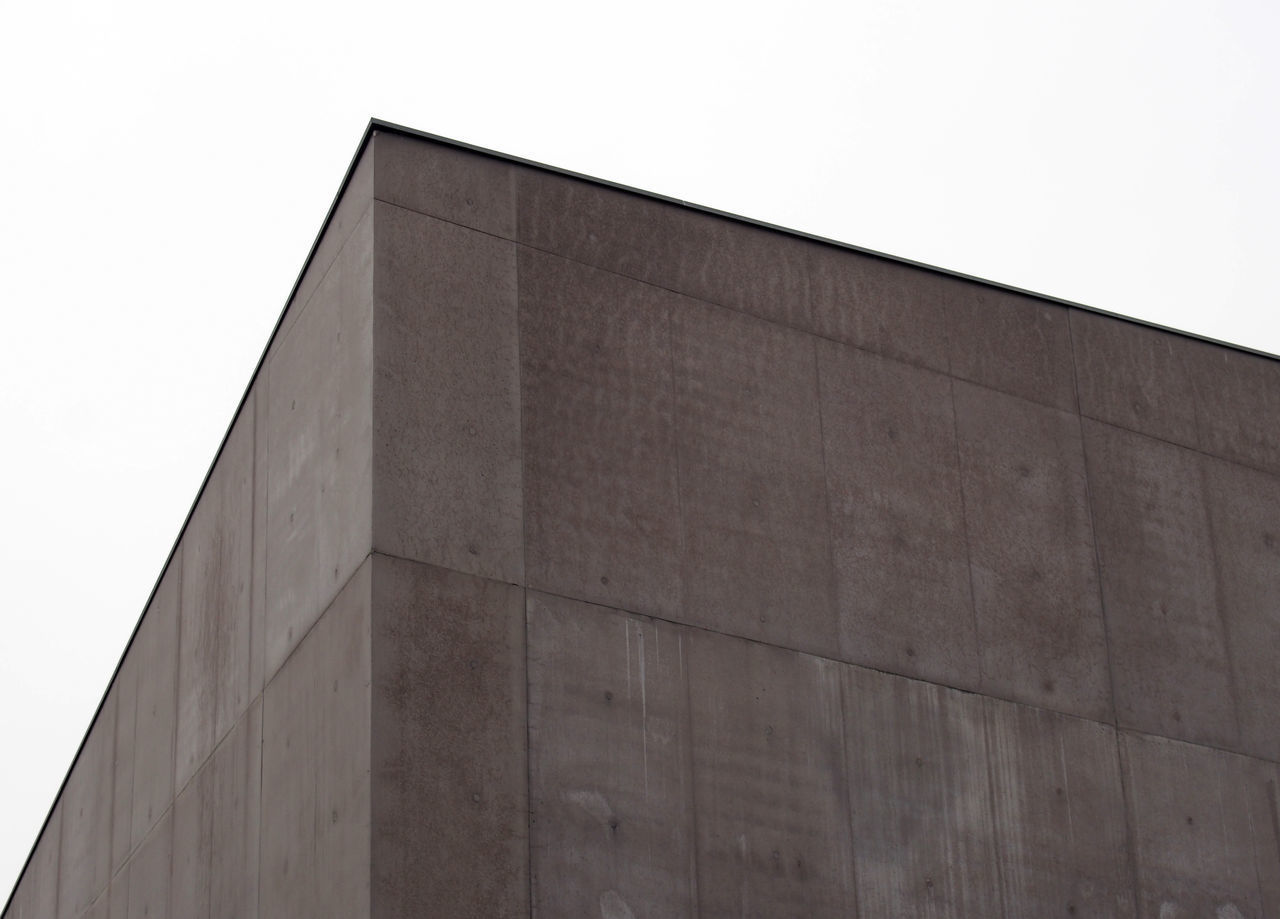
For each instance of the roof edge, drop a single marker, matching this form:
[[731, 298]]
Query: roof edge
[[377, 124]]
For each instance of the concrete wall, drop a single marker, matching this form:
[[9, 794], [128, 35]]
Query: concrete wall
[[226, 774], [580, 554]]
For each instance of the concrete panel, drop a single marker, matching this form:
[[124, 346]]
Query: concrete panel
[[465, 188], [1168, 657], [1059, 813], [1202, 820], [1244, 511], [1035, 582], [124, 690], [118, 902], [772, 814], [215, 636], [446, 396], [315, 767], [712, 258], [319, 449], [1016, 344], [236, 788], [155, 663], [215, 829], [602, 513], [882, 306], [36, 895], [920, 800], [192, 847], [84, 865], [757, 552], [897, 518], [99, 909], [1133, 377], [450, 782], [258, 582], [351, 210], [610, 768], [1237, 403], [1262, 779], [149, 872]]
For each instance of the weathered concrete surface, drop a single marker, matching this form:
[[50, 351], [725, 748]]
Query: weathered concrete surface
[[610, 783], [449, 778], [1035, 582], [84, 863], [315, 766], [118, 896], [879, 305], [1063, 845], [155, 651], [216, 632], [258, 585], [1204, 826], [320, 448], [347, 216], [1244, 512], [1168, 657], [602, 515], [236, 778], [1237, 404], [444, 182], [1010, 342], [920, 799], [756, 543], [1134, 377], [447, 469], [150, 871], [771, 812], [36, 896], [124, 692], [706, 257], [216, 829], [192, 845], [897, 518]]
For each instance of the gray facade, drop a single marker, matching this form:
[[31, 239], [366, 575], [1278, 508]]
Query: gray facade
[[577, 553]]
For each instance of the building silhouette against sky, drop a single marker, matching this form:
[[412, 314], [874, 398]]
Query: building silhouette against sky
[[577, 553]]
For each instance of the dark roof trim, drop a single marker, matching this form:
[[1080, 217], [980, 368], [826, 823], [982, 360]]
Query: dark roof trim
[[377, 124]]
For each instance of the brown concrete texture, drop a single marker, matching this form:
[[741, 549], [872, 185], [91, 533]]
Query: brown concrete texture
[[447, 396], [449, 783]]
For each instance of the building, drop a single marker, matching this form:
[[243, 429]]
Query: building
[[575, 552]]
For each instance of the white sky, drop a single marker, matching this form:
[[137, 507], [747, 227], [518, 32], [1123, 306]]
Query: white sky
[[166, 166]]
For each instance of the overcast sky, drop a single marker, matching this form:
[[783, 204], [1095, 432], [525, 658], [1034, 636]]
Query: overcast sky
[[166, 167]]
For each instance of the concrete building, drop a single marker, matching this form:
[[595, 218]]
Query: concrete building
[[576, 553]]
